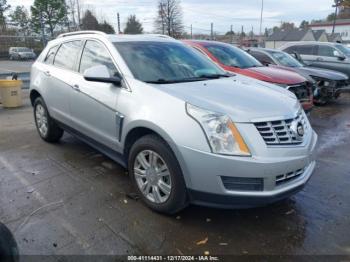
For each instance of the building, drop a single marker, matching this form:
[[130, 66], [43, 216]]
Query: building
[[281, 36], [342, 27], [321, 36]]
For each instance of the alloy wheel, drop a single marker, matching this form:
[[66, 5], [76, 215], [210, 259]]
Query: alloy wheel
[[41, 119], [152, 176]]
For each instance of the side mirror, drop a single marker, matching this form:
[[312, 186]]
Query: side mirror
[[338, 55], [101, 74]]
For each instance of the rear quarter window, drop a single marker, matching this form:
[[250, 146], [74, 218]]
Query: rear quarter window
[[50, 55]]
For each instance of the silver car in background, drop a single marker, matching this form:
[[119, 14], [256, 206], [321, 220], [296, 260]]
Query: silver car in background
[[21, 53], [186, 130]]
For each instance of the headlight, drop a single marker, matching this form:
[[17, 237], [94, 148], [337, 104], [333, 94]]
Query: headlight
[[222, 134]]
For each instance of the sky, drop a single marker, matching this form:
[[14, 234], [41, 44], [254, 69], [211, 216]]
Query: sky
[[201, 13]]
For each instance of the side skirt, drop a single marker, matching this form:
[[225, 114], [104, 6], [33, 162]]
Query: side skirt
[[117, 157]]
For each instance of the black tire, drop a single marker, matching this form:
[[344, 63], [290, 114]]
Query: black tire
[[54, 132], [177, 199], [8, 246]]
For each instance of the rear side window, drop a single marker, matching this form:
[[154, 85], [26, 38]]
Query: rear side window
[[306, 49], [324, 50], [51, 55], [95, 54], [67, 54], [301, 49]]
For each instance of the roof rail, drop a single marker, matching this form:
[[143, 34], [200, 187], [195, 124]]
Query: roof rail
[[81, 33], [159, 35]]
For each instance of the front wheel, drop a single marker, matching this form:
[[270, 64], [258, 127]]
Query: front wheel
[[157, 175]]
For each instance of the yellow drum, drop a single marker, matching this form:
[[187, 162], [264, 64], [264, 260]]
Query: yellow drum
[[11, 93]]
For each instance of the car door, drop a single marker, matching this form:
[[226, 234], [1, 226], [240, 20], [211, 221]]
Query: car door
[[93, 104], [328, 57], [59, 84], [307, 53]]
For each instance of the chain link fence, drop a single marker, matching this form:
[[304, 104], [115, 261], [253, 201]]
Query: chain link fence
[[7, 41]]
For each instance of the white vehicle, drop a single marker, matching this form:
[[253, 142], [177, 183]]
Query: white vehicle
[[186, 130]]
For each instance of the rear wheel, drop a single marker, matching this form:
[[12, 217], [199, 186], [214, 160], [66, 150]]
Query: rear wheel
[[157, 175], [46, 126]]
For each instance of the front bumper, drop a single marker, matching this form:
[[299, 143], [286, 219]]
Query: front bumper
[[204, 174]]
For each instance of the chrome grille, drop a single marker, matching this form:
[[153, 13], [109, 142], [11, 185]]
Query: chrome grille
[[285, 178], [279, 132]]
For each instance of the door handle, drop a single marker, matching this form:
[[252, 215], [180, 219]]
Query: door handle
[[47, 73], [76, 88], [319, 59]]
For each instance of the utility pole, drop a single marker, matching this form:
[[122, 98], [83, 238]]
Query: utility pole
[[231, 35], [78, 13], [42, 29], [212, 31], [191, 32], [261, 16], [118, 17], [336, 5]]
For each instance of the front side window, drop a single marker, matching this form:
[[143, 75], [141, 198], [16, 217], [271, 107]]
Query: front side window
[[232, 56], [345, 50], [96, 54], [324, 50], [166, 62], [67, 55], [285, 59]]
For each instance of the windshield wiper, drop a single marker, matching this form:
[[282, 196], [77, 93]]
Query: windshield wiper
[[163, 81], [214, 76], [190, 79]]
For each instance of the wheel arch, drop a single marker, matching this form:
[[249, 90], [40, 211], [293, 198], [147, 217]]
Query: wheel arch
[[34, 94], [145, 128]]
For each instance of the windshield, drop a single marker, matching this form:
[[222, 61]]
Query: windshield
[[23, 49], [285, 59], [232, 56], [166, 62], [345, 50]]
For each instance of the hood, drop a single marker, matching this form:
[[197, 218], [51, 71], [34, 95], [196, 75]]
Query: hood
[[276, 75], [243, 99], [324, 73]]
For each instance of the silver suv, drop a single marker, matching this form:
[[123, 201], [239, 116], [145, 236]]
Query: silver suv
[[333, 56], [186, 130]]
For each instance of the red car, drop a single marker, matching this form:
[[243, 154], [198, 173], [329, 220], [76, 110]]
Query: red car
[[238, 61]]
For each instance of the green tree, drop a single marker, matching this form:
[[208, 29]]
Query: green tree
[[331, 17], [106, 27], [89, 21], [21, 16], [3, 8], [304, 24], [230, 33], [287, 26], [52, 13], [133, 26]]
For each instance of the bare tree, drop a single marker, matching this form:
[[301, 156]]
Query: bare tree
[[169, 18]]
